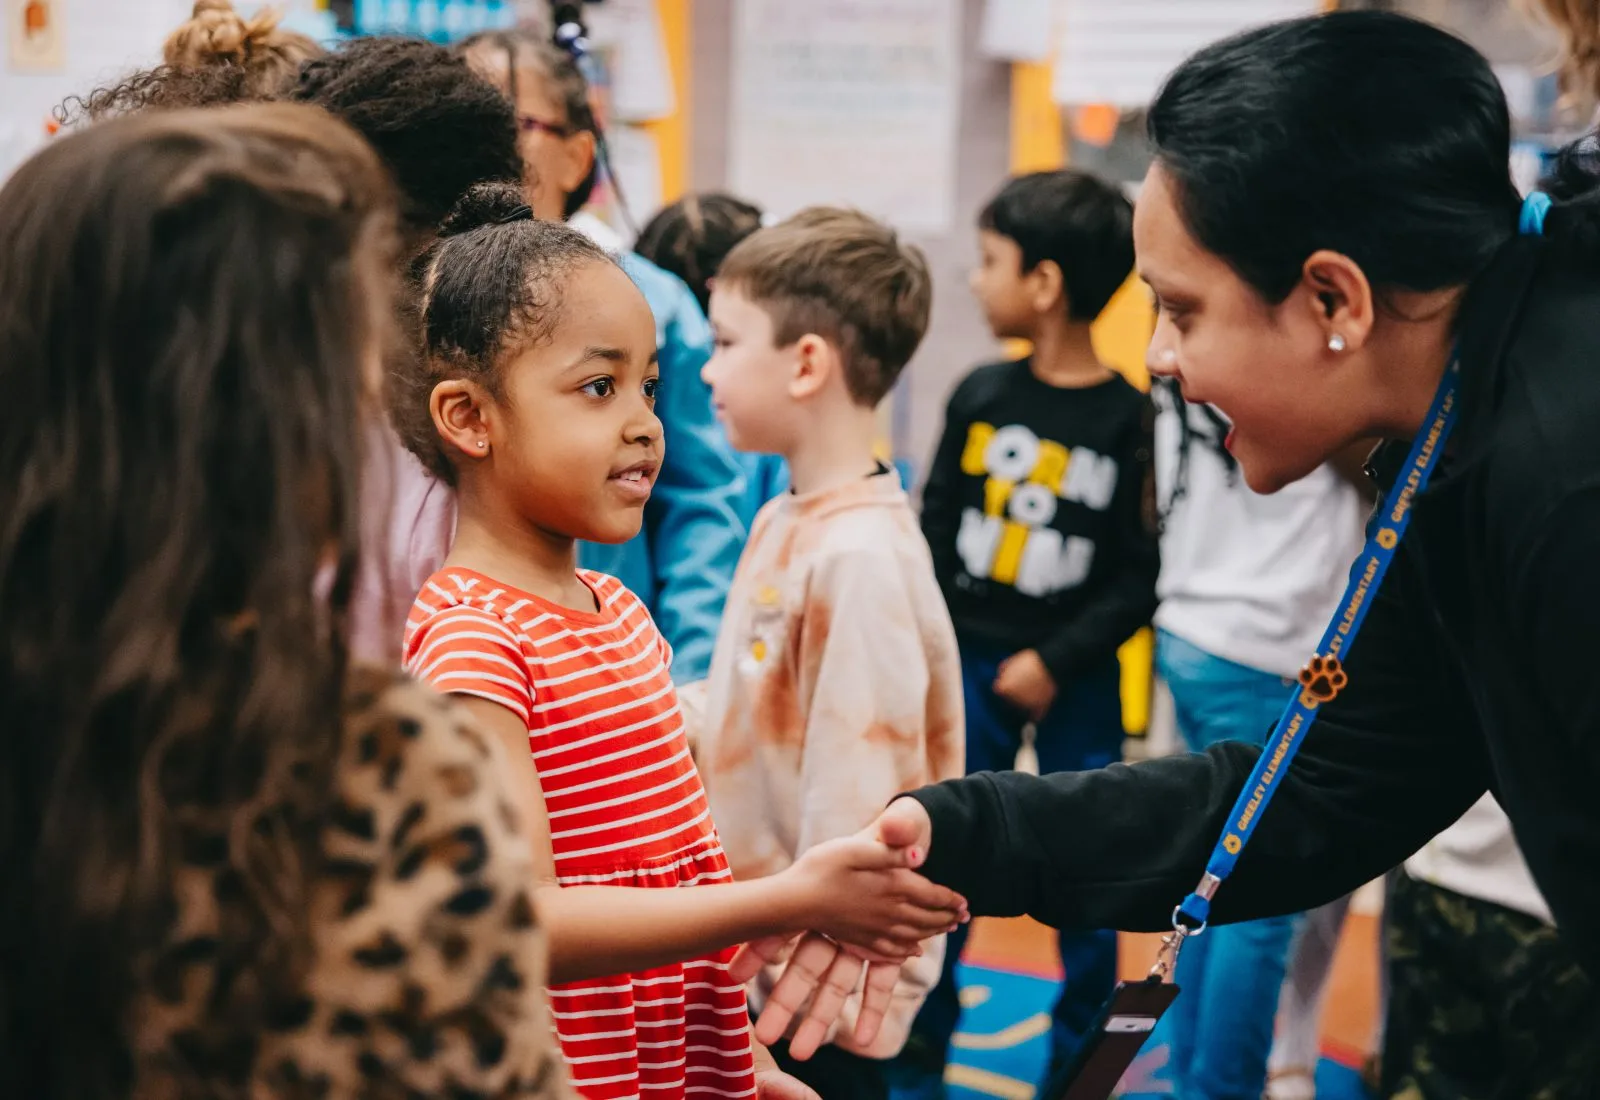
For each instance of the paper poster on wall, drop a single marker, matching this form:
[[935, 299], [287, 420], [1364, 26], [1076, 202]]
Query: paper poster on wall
[[849, 102], [1016, 30], [33, 29], [641, 77], [1119, 53]]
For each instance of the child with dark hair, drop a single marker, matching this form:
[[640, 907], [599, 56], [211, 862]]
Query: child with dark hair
[[440, 129], [690, 238], [534, 397], [436, 125], [682, 561], [1038, 511]]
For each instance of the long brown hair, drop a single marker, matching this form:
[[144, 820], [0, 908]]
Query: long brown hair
[[186, 302]]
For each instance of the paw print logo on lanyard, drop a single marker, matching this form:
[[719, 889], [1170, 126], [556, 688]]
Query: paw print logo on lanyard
[[1322, 680]]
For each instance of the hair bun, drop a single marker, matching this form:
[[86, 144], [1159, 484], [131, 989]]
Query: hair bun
[[484, 204], [215, 32]]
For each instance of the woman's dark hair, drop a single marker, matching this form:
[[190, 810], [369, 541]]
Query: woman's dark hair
[[437, 125], [1079, 221], [691, 237], [1368, 133], [559, 70], [492, 281], [186, 299]]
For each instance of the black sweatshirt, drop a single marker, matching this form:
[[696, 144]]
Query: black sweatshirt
[[1478, 668], [1039, 512]]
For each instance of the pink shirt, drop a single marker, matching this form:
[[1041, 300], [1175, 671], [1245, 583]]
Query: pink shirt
[[408, 520]]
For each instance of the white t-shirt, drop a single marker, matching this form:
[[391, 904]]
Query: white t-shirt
[[1249, 578], [1479, 857]]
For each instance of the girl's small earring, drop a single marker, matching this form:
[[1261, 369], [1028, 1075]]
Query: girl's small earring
[[1336, 342], [482, 444]]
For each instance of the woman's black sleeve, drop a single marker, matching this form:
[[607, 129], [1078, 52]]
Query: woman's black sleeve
[[1392, 761]]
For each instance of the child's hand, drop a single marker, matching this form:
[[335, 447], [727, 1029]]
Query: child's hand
[[1023, 681], [816, 965], [862, 892]]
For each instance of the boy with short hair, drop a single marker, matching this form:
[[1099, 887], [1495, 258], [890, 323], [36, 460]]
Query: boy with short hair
[[1039, 512], [836, 680]]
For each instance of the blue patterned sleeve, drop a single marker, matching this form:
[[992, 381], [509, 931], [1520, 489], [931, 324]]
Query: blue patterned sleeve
[[694, 517]]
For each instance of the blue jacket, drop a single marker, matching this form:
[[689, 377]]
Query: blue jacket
[[765, 477], [682, 562]]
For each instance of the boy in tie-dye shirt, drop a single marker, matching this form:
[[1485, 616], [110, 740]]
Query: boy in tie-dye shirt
[[836, 681]]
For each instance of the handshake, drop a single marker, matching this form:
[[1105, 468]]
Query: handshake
[[868, 911]]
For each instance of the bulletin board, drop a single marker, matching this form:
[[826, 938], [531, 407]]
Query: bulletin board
[[847, 101]]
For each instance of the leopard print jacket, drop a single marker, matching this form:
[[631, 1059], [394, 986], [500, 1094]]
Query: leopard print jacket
[[429, 965]]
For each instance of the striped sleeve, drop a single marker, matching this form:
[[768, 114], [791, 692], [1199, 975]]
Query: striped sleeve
[[466, 651]]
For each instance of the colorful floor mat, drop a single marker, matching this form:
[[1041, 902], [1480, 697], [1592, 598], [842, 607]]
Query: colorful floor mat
[[1002, 1043]]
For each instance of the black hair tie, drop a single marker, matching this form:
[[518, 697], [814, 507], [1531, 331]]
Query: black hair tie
[[521, 213]]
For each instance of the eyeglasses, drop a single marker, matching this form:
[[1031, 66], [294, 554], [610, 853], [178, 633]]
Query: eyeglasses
[[530, 125]]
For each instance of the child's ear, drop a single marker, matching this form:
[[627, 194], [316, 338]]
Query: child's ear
[[816, 362], [1047, 286], [458, 409]]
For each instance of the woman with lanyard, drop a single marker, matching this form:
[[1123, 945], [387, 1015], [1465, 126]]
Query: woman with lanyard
[[1338, 252]]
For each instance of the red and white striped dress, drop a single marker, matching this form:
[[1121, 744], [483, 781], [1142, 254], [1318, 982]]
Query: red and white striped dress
[[626, 809]]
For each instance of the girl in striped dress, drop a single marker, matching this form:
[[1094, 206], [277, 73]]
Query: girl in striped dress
[[535, 400]]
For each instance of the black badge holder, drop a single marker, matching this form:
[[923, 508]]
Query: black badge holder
[[1124, 1023]]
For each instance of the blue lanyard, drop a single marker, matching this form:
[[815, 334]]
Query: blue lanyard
[[1324, 676]]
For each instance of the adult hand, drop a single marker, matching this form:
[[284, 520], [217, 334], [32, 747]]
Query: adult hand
[[820, 974], [819, 977], [774, 1084], [1023, 681]]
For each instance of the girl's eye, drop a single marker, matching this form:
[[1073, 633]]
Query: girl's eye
[[601, 387], [652, 387]]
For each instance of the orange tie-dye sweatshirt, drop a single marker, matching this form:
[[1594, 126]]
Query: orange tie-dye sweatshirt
[[835, 685]]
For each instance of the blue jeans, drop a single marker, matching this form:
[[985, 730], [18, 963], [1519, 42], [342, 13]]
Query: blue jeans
[[1082, 730], [1219, 1030]]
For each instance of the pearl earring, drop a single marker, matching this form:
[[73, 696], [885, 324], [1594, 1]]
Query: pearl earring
[[1336, 342], [482, 444]]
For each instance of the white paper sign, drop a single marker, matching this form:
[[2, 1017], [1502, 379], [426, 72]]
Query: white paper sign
[[1016, 30], [1119, 53], [847, 102], [641, 77]]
